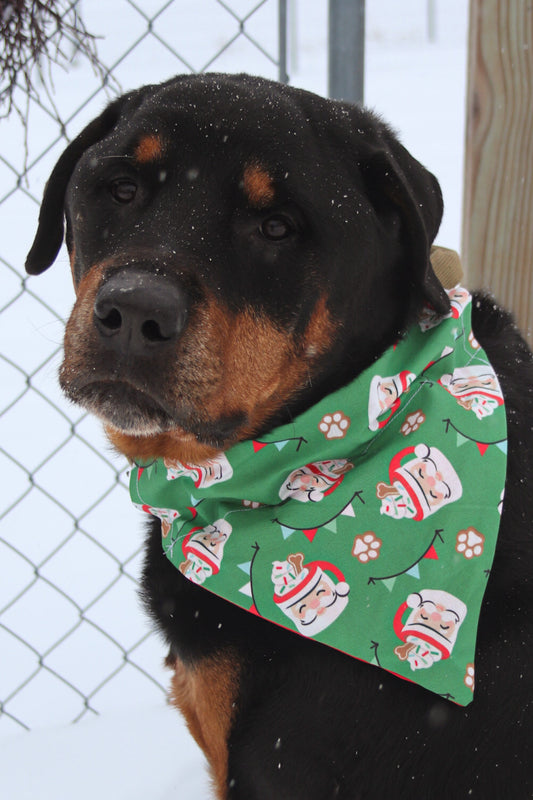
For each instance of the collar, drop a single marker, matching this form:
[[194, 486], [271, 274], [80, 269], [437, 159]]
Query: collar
[[369, 523]]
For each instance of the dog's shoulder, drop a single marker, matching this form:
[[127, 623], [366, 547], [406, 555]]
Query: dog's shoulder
[[509, 353]]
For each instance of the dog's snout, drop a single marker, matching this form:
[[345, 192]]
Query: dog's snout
[[135, 311]]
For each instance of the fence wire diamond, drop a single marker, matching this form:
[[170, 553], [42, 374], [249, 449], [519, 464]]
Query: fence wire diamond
[[72, 639]]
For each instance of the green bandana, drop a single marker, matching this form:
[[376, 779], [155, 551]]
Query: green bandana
[[369, 523]]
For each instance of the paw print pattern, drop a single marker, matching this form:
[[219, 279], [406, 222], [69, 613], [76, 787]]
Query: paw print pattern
[[473, 342], [470, 543], [412, 422], [334, 426], [470, 676], [251, 504], [366, 547]]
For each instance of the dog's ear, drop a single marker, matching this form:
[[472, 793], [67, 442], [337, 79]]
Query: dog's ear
[[395, 179], [49, 236]]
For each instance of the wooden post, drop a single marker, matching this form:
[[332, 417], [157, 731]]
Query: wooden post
[[498, 191]]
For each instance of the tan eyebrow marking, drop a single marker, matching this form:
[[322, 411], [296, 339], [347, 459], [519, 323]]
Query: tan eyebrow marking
[[149, 148], [258, 186]]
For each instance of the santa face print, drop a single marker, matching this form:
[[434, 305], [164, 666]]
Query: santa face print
[[430, 631], [422, 481], [308, 594], [430, 481], [214, 470], [435, 617], [313, 605], [313, 481], [304, 481], [459, 298], [475, 388], [463, 385], [385, 394], [211, 539]]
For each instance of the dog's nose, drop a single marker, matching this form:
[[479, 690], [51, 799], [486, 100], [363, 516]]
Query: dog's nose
[[136, 311]]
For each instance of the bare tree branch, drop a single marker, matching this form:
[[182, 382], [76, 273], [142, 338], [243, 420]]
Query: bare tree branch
[[33, 33]]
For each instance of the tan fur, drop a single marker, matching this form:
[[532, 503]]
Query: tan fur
[[80, 322], [206, 696], [149, 148], [258, 186], [175, 444]]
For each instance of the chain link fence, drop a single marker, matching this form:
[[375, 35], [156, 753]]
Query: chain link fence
[[72, 639]]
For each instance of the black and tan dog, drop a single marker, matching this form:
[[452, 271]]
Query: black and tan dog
[[240, 249]]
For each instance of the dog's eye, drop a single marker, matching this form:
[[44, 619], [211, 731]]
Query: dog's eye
[[276, 228], [123, 190]]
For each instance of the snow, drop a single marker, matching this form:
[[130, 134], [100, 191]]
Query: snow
[[126, 755], [137, 747]]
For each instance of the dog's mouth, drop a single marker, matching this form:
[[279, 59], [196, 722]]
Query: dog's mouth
[[122, 406], [135, 412]]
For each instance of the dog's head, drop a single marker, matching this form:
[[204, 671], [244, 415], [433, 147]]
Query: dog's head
[[239, 248]]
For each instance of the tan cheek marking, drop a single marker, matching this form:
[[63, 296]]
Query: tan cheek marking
[[206, 695], [176, 444], [80, 320], [258, 186], [266, 368], [246, 365], [79, 328], [255, 356], [150, 148], [320, 332]]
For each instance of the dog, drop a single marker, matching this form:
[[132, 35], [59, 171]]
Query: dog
[[241, 250]]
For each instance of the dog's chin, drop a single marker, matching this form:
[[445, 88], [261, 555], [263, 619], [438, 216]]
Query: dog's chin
[[135, 414], [122, 407]]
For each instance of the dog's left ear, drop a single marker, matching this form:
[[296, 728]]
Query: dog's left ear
[[394, 178], [49, 236]]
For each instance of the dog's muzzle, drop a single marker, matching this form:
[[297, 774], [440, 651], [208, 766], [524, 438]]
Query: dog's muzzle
[[137, 312]]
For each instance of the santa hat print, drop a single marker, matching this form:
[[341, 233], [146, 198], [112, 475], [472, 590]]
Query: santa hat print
[[402, 470], [204, 474], [194, 545], [291, 589], [331, 474], [397, 385], [423, 605]]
